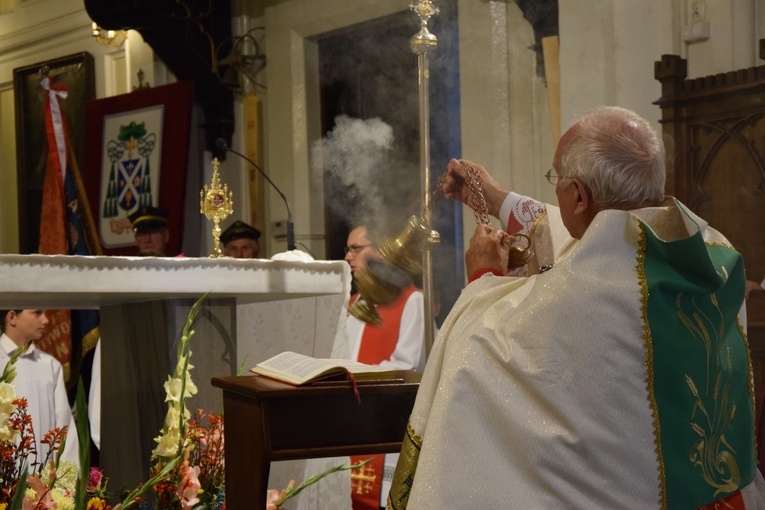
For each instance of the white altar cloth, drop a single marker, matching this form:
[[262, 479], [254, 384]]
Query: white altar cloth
[[89, 282]]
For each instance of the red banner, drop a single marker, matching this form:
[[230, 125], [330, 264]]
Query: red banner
[[57, 340]]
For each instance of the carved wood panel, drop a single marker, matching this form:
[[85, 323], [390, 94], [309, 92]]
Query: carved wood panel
[[726, 181]]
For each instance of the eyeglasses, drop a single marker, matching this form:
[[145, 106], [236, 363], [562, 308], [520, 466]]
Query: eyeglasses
[[356, 248], [551, 176]]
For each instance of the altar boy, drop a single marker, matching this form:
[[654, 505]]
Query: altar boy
[[39, 379]]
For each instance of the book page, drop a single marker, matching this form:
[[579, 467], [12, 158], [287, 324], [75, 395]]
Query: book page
[[298, 365], [356, 367]]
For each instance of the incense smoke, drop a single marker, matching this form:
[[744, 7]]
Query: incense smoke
[[354, 159]]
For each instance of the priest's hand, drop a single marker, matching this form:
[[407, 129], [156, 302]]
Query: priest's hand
[[489, 251], [455, 187]]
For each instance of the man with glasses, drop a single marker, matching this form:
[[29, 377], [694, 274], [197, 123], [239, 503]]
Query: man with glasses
[[619, 377], [398, 342], [356, 252]]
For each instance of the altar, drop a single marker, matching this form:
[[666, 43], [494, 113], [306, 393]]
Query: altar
[[255, 309]]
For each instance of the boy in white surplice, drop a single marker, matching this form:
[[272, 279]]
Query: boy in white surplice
[[39, 379]]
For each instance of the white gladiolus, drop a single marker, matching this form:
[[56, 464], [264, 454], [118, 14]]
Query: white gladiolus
[[178, 387], [7, 396]]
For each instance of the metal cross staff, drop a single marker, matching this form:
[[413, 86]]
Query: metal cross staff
[[422, 44]]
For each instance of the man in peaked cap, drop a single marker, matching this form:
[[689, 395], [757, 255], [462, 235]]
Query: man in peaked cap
[[150, 230], [240, 241]]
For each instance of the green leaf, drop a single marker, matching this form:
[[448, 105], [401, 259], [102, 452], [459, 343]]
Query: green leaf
[[8, 370], [132, 498], [83, 435], [18, 497], [241, 366], [295, 491]]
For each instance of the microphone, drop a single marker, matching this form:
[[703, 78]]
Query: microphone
[[220, 143]]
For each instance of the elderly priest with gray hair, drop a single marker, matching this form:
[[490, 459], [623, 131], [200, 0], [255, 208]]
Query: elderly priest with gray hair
[[617, 375]]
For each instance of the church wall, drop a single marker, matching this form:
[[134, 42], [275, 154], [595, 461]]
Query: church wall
[[607, 54], [735, 28], [608, 47], [505, 116]]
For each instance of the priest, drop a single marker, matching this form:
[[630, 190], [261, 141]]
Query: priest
[[616, 375], [397, 343]]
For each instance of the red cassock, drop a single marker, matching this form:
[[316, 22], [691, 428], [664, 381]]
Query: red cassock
[[377, 345]]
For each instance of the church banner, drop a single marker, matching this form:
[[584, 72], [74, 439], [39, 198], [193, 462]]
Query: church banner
[[50, 124], [75, 74], [130, 148], [139, 158]]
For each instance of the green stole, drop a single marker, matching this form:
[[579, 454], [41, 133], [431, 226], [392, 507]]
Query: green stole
[[698, 368]]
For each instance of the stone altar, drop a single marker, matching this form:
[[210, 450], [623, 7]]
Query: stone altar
[[256, 309]]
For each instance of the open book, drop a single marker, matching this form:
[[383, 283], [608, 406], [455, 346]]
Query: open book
[[295, 368]]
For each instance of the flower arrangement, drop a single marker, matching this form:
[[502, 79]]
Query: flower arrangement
[[48, 483], [188, 470], [197, 481], [96, 490], [40, 484]]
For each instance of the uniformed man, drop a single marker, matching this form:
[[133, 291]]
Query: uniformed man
[[150, 230], [240, 241]]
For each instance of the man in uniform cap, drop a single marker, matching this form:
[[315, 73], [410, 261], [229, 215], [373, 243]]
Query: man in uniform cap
[[150, 230], [240, 241]]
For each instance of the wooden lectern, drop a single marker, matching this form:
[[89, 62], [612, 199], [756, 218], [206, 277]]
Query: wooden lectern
[[267, 421]]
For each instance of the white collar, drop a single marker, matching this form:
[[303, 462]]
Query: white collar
[[9, 346]]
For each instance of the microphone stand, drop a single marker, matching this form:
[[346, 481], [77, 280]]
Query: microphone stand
[[220, 143]]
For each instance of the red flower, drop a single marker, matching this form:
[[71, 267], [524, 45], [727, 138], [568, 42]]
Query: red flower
[[94, 480]]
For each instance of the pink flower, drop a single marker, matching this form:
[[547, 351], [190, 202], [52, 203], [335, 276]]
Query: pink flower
[[188, 489], [52, 476], [43, 499], [273, 497], [94, 479]]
